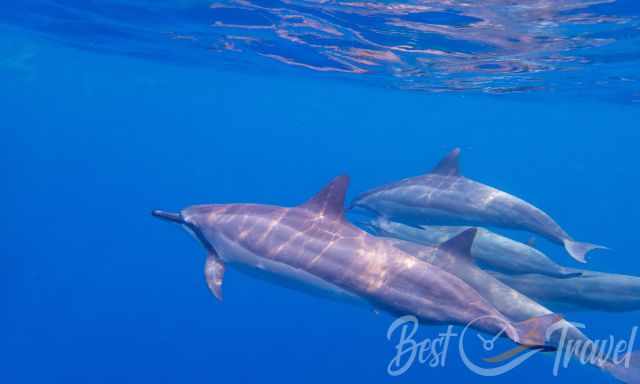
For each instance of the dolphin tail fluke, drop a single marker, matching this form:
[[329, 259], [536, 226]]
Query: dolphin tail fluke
[[533, 332], [579, 250], [627, 371]]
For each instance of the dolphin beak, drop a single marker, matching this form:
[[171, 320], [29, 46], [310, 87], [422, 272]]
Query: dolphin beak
[[169, 216], [192, 229]]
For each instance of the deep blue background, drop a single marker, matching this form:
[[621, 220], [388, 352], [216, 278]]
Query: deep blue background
[[95, 290]]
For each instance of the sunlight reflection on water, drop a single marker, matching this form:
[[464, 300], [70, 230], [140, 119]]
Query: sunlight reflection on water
[[493, 46]]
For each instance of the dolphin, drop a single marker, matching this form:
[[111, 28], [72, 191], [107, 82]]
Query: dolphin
[[592, 291], [314, 244], [455, 256], [445, 197], [490, 250]]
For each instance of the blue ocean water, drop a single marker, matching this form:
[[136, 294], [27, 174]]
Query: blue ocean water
[[113, 108]]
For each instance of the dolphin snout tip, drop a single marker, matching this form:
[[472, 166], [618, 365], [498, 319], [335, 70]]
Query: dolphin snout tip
[[169, 216]]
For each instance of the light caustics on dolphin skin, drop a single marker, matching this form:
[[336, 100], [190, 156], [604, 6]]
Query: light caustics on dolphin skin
[[492, 251], [494, 46], [445, 196], [459, 261], [312, 244]]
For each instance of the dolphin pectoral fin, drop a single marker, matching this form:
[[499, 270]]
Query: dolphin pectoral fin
[[579, 250], [214, 274], [569, 275], [415, 226], [448, 166]]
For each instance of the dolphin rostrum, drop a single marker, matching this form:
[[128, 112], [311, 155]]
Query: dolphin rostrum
[[314, 244], [445, 197], [492, 251]]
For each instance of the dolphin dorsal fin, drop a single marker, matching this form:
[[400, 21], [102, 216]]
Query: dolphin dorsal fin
[[330, 200], [460, 245], [448, 166]]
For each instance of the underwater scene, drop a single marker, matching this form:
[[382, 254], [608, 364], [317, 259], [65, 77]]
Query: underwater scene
[[248, 191]]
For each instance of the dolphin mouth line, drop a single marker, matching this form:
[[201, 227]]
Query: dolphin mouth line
[[168, 216], [178, 218]]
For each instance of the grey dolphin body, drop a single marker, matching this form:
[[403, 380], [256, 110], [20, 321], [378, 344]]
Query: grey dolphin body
[[445, 197], [592, 291], [314, 244], [491, 250], [455, 256], [460, 262]]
